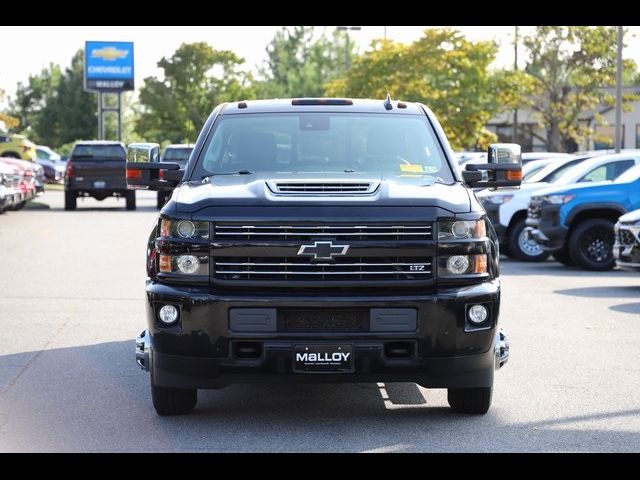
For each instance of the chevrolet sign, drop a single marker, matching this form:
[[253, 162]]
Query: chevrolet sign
[[108, 66]]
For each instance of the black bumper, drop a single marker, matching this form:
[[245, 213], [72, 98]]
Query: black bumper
[[445, 351], [547, 230]]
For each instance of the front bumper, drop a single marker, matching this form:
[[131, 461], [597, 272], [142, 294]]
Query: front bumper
[[546, 228], [445, 351], [626, 249]]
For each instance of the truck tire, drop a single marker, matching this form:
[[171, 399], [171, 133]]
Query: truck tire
[[470, 400], [173, 401], [521, 248], [563, 257], [591, 245], [70, 200], [130, 196]]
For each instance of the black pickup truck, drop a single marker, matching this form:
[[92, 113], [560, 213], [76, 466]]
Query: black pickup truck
[[322, 240], [97, 169]]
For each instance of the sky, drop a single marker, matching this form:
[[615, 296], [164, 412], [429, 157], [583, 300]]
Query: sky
[[58, 44]]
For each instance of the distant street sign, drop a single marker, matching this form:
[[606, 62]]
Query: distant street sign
[[108, 66]]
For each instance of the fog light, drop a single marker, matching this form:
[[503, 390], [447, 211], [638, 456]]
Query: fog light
[[187, 264], [168, 314], [458, 264], [186, 228], [478, 314]]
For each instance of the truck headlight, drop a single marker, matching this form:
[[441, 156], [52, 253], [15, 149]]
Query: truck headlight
[[461, 229], [184, 264], [184, 229], [557, 199], [168, 314], [455, 265]]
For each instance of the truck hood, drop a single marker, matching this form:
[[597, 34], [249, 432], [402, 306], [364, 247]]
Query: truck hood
[[630, 217], [572, 188], [256, 190]]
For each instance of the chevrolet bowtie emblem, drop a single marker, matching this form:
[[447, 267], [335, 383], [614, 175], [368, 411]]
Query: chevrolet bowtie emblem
[[323, 251], [109, 53]]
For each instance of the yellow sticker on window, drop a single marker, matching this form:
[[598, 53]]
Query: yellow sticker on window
[[411, 167]]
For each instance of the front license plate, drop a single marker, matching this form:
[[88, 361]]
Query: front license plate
[[99, 184], [323, 359]]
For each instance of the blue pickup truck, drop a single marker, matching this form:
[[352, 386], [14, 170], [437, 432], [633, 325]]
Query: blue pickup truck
[[576, 222]]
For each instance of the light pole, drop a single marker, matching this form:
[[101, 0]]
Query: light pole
[[619, 93], [515, 67], [347, 58]]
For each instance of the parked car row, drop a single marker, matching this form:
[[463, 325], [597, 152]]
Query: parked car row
[[567, 207], [20, 181]]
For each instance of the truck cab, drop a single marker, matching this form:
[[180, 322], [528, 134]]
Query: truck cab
[[322, 240]]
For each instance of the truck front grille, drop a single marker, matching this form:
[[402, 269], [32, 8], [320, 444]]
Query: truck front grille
[[303, 269], [535, 209], [325, 320], [304, 233], [626, 237]]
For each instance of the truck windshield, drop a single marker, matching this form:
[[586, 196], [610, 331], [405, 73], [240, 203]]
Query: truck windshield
[[98, 152], [177, 155], [324, 143]]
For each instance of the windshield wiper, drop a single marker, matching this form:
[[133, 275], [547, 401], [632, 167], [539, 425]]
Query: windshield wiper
[[207, 178]]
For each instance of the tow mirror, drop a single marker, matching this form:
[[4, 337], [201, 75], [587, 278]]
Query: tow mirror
[[146, 171], [503, 170]]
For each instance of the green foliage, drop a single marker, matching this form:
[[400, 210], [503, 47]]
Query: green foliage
[[443, 70], [196, 79], [299, 66], [568, 68], [7, 120], [52, 106]]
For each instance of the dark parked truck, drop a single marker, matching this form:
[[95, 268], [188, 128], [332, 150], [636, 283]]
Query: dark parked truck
[[97, 169], [175, 153], [322, 240]]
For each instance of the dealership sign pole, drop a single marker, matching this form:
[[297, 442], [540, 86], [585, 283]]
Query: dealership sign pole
[[108, 68]]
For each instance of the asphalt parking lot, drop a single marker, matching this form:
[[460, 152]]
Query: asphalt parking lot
[[71, 303]]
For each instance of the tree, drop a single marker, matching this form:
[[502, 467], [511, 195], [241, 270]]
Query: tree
[[299, 66], [570, 68], [53, 108], [7, 121], [443, 70], [196, 79]]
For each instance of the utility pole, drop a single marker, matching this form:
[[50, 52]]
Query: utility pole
[[347, 58], [515, 67], [385, 32], [619, 93]]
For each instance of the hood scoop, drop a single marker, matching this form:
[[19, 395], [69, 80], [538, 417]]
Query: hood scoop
[[327, 187]]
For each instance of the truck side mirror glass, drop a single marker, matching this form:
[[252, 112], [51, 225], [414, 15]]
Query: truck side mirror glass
[[504, 168], [146, 171]]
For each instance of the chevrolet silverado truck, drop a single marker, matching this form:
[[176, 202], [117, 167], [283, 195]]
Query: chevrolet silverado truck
[[97, 169], [578, 220], [626, 248], [322, 240]]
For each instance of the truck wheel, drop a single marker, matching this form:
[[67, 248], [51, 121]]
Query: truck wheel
[[470, 400], [523, 248], [591, 245], [70, 200], [173, 401], [131, 199], [563, 257]]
